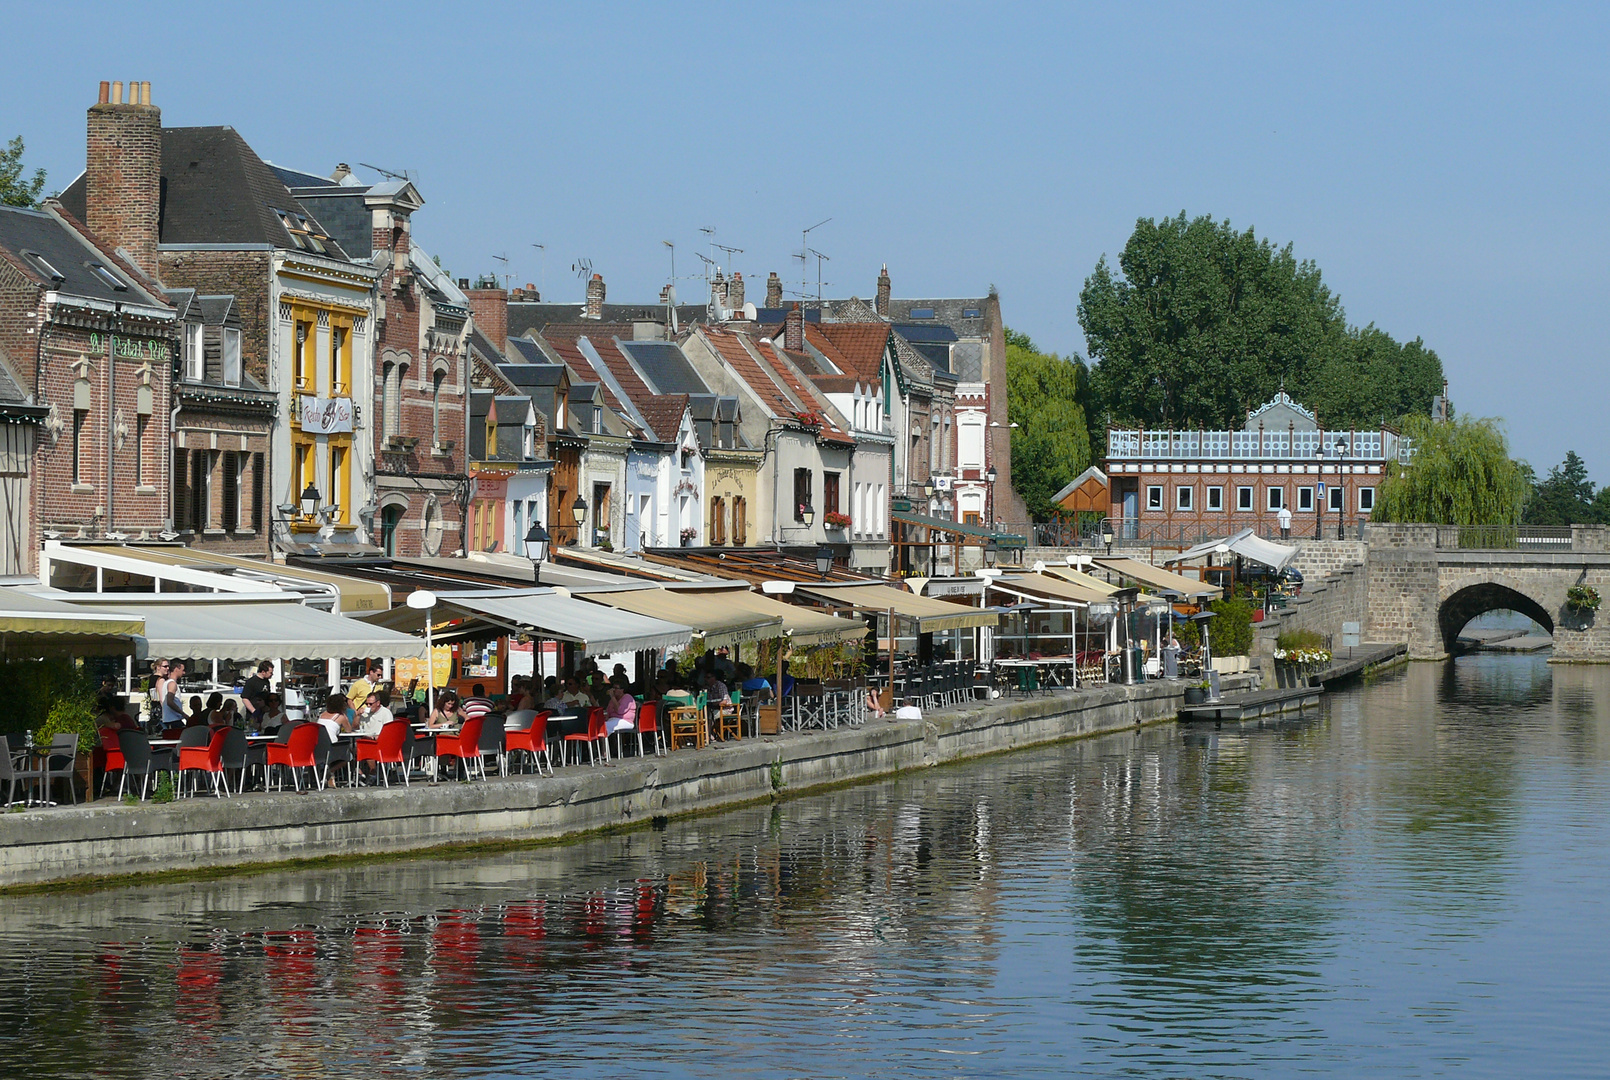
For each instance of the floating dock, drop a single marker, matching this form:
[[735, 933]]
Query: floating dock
[[1252, 705]]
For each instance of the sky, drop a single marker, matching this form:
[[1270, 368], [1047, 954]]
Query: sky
[[1444, 165]]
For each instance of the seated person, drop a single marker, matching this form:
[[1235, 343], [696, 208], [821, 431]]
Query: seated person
[[621, 712], [376, 712], [716, 691], [477, 704], [753, 684], [334, 716], [197, 713], [573, 695], [447, 713]]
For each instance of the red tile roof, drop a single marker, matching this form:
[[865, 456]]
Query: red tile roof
[[664, 414], [730, 347], [777, 360], [855, 348]]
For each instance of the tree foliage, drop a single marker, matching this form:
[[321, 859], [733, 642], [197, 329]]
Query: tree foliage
[[1051, 443], [1567, 497], [1461, 474], [1208, 322], [15, 188]]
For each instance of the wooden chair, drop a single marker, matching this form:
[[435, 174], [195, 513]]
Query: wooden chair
[[728, 719], [686, 722]]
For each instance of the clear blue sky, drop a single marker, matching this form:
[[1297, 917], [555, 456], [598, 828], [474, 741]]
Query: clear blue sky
[[1446, 166]]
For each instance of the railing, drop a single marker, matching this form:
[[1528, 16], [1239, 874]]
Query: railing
[[1505, 537], [1170, 444]]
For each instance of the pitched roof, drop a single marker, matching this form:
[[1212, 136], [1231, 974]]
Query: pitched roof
[[664, 367], [857, 348], [44, 245], [779, 361], [623, 388], [525, 316], [215, 190], [731, 347], [664, 415]]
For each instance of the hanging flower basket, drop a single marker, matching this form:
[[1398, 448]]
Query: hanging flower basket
[[1582, 598]]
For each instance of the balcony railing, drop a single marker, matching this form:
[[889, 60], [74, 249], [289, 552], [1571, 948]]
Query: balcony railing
[[1170, 444]]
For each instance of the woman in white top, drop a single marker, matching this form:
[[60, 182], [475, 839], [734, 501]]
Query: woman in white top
[[334, 717]]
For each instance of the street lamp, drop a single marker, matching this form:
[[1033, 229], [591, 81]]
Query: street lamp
[[536, 549], [1106, 535], [992, 553], [928, 488], [1319, 494], [990, 475], [310, 500], [824, 560], [807, 514]]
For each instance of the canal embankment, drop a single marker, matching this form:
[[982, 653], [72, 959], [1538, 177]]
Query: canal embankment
[[113, 840]]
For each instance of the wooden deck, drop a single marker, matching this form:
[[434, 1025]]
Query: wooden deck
[[1358, 659], [1252, 705]]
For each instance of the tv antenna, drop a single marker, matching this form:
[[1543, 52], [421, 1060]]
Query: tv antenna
[[583, 269], [542, 268], [804, 255], [387, 173], [504, 259]]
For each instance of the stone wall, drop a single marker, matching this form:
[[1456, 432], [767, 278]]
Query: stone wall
[[1343, 597]]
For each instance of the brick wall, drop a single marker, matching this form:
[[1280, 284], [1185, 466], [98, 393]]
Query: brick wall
[[123, 178], [491, 310], [243, 274]]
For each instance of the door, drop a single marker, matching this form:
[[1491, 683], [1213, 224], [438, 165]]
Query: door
[[1131, 512]]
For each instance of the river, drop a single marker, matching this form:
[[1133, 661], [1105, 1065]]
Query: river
[[1411, 881]]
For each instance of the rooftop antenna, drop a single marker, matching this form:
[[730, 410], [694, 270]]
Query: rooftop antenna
[[670, 292], [804, 257], [542, 267], [820, 259], [710, 235], [583, 269], [387, 173], [504, 259]]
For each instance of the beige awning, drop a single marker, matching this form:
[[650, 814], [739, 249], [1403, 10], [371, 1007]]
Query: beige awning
[[546, 613], [804, 626], [1094, 584], [38, 626], [350, 596], [1157, 578], [716, 616], [1049, 586], [929, 614]]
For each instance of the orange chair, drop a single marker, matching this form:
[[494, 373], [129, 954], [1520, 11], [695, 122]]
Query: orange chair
[[111, 756], [206, 759], [532, 741], [295, 753], [387, 749], [648, 723], [595, 735], [465, 746]]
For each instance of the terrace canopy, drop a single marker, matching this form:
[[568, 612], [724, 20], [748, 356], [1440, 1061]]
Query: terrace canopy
[[1158, 579], [1247, 544], [803, 626], [545, 613], [36, 626], [929, 615], [714, 614]]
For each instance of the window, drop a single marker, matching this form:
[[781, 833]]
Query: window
[[880, 506], [802, 493], [302, 468], [1366, 499], [1184, 497], [740, 523], [340, 481], [1335, 495], [830, 493], [107, 278], [491, 437], [299, 355], [340, 360], [922, 313], [1154, 497], [1277, 498], [1243, 498], [390, 518], [141, 422], [1215, 498], [258, 521], [390, 377], [194, 352], [718, 520], [1305, 500], [601, 514], [80, 417], [971, 313], [528, 442], [231, 484], [436, 409], [231, 356]]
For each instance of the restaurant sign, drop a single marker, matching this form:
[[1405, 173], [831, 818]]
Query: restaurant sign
[[326, 416]]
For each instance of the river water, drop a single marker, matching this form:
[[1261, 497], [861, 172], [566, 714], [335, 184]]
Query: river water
[[1411, 881]]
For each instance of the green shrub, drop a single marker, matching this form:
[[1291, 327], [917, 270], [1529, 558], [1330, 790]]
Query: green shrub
[[1307, 640], [1231, 631], [31, 688], [71, 714], [1187, 635]]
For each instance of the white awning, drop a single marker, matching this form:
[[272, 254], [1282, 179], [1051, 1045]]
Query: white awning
[[33, 626], [220, 627], [1157, 578], [1247, 544], [596, 629]]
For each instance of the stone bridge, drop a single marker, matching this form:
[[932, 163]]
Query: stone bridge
[[1425, 582]]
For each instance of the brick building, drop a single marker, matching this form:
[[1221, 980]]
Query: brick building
[[86, 353]]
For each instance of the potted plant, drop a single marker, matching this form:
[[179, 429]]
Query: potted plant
[[687, 536], [1581, 601], [835, 520], [1298, 654], [1195, 695], [73, 714]]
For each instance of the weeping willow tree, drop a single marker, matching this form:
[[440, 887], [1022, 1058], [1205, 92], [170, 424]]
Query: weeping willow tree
[[1461, 474]]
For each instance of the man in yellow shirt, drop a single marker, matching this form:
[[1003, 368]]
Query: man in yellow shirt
[[358, 693]]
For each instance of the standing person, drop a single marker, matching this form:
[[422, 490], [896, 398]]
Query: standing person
[[173, 714], [477, 704], [1284, 517], [364, 685], [159, 676], [254, 691]]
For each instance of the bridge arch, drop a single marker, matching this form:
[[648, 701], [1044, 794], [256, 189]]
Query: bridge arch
[[1478, 599]]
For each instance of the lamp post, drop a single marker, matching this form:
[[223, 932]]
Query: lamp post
[[578, 510], [824, 560], [310, 500], [1106, 534], [990, 476], [536, 549], [424, 600], [1319, 494]]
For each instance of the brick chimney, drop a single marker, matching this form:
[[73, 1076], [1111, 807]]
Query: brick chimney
[[774, 291], [123, 172], [882, 304], [794, 330], [491, 310], [595, 298], [735, 292]]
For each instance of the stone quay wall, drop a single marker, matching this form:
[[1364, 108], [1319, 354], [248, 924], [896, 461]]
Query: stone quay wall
[[112, 839]]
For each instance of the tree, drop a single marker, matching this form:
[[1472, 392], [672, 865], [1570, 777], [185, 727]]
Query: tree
[[1460, 474], [1208, 322], [1051, 443], [1565, 498], [15, 190]]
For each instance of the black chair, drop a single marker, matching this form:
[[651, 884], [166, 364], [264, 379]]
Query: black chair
[[328, 752], [138, 761], [8, 772], [235, 754], [492, 741]]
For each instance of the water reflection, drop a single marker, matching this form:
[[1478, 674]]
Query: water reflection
[[1347, 891]]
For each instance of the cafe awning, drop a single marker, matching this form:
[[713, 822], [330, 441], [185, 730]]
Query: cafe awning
[[804, 627], [544, 613], [1049, 587], [959, 528], [1247, 544], [929, 615], [1158, 579], [715, 615], [1094, 584], [35, 626], [197, 626]]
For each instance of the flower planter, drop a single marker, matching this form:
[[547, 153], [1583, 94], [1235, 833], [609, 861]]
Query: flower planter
[[1195, 695]]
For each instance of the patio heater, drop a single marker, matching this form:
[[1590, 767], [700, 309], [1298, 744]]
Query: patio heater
[[824, 560], [1201, 619], [424, 600], [1125, 600], [536, 549]]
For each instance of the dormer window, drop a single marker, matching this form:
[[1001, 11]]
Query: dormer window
[[107, 278], [193, 353], [491, 437], [528, 442], [231, 356]]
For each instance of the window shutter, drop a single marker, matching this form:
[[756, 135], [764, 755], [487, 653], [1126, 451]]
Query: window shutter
[[198, 490], [181, 490], [257, 493], [231, 482]]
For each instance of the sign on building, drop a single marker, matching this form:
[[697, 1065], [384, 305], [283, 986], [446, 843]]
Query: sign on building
[[326, 416]]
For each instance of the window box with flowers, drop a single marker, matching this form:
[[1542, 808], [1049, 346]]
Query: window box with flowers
[[835, 520], [688, 535]]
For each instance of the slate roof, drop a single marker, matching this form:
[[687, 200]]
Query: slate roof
[[949, 312], [344, 214], [215, 310], [65, 250], [512, 410], [526, 316], [664, 415], [664, 367], [215, 190]]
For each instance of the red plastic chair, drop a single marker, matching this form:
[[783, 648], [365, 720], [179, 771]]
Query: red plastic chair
[[111, 756], [465, 746], [295, 753], [532, 741], [206, 759], [595, 735], [648, 723], [387, 749]]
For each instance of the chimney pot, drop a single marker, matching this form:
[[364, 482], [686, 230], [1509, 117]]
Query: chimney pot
[[117, 92], [794, 330], [882, 303], [106, 92], [774, 291], [145, 93]]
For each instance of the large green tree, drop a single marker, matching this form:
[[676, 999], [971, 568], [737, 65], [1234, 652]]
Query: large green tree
[[1206, 322], [1460, 474], [1051, 443], [1566, 497], [15, 188]]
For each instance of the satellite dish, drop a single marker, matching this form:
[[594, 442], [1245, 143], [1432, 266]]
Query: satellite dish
[[671, 296], [751, 313]]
